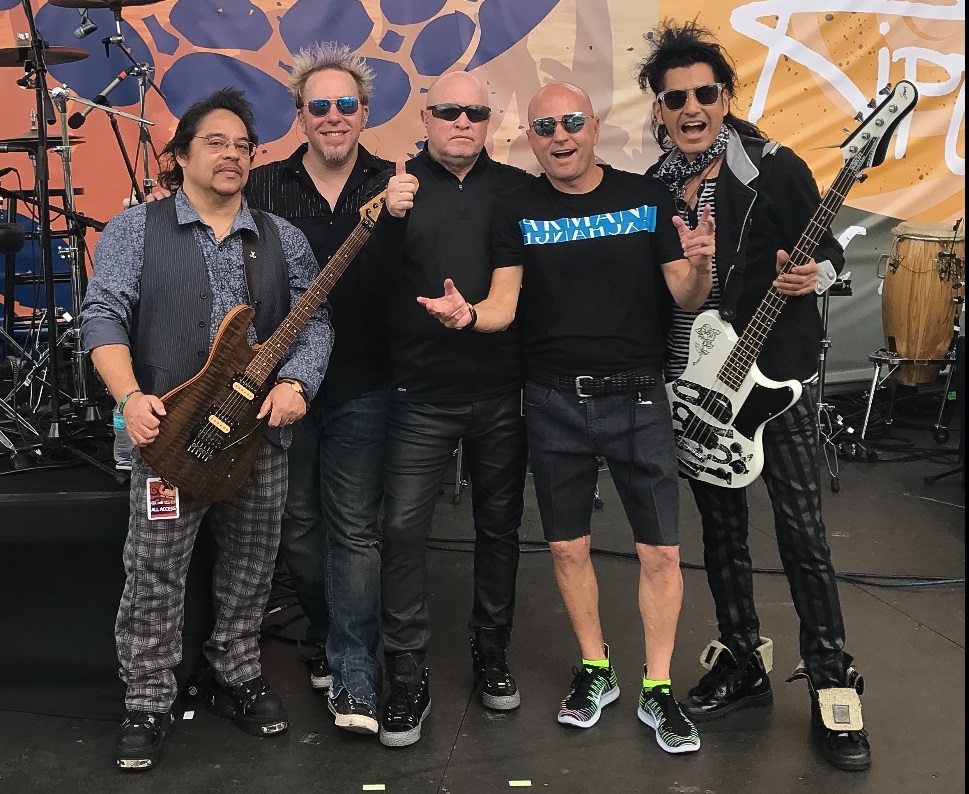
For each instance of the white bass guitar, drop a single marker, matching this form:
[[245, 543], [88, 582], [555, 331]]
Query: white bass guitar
[[722, 401]]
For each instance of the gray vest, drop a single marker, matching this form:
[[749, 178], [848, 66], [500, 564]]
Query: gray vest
[[171, 324]]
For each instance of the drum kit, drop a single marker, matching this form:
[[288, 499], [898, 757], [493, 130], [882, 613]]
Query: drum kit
[[38, 374]]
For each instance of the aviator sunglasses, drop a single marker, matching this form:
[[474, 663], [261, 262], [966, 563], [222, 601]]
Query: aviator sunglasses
[[346, 105], [450, 112], [675, 98], [571, 122]]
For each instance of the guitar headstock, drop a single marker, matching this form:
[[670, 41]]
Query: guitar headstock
[[372, 208], [868, 144]]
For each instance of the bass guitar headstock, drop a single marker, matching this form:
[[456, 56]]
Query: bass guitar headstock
[[868, 145]]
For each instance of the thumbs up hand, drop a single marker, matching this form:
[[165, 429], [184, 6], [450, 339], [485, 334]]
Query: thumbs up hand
[[401, 191]]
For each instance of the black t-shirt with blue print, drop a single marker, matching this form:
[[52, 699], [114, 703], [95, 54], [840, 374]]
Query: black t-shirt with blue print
[[593, 299]]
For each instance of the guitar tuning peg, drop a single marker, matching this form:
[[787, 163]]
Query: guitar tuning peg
[[859, 116], [862, 177], [845, 130], [873, 103], [886, 90]]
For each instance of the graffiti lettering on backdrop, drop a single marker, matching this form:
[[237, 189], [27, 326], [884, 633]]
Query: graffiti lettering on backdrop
[[807, 68]]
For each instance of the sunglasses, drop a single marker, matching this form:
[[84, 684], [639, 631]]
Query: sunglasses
[[450, 112], [571, 122], [675, 98], [346, 105]]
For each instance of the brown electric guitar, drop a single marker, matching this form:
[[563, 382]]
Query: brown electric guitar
[[209, 438]]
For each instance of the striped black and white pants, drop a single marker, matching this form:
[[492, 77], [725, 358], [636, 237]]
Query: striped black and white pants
[[791, 473]]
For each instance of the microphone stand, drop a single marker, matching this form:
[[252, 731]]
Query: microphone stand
[[112, 115], [142, 72]]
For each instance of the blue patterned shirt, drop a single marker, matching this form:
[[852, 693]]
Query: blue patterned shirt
[[113, 291]]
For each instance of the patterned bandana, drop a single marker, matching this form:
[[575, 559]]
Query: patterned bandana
[[676, 171]]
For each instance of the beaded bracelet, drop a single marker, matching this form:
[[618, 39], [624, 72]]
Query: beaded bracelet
[[124, 400]]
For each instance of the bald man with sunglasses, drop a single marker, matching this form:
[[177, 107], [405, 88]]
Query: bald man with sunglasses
[[588, 256], [447, 388]]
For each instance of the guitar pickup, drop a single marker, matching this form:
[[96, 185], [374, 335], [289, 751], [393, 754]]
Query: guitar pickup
[[245, 388]]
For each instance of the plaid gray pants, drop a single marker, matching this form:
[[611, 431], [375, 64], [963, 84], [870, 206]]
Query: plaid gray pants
[[148, 630]]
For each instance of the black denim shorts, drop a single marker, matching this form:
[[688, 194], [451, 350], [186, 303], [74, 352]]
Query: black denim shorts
[[634, 433]]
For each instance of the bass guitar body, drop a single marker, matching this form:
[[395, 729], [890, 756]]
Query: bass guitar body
[[209, 437], [718, 427]]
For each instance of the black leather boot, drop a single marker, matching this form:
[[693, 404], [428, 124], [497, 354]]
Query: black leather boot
[[490, 667], [836, 720], [409, 702], [728, 686], [142, 736]]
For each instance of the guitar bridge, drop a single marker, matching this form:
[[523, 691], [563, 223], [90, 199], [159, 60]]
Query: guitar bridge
[[212, 434]]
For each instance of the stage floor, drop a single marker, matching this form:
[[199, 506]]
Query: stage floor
[[909, 642]]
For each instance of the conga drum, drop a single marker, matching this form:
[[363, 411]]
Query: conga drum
[[923, 283]]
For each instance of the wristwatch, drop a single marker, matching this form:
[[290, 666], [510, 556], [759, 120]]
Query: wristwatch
[[296, 387]]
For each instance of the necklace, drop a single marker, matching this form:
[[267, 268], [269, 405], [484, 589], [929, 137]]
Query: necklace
[[690, 196], [225, 232]]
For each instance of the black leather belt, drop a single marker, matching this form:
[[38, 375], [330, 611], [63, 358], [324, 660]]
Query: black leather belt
[[594, 385]]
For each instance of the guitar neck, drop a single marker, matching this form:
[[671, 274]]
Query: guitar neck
[[273, 349], [738, 364]]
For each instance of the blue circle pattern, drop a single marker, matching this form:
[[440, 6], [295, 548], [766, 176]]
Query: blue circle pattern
[[441, 42]]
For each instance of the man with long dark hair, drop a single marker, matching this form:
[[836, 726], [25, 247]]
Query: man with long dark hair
[[165, 276], [762, 196]]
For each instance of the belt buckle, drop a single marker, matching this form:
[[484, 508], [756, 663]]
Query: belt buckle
[[578, 385]]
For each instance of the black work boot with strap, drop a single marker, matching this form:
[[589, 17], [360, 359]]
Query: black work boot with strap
[[836, 719], [731, 684]]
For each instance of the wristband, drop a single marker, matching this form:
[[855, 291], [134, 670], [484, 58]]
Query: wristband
[[124, 400], [474, 318]]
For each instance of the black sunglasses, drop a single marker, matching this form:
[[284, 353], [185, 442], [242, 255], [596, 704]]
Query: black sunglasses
[[346, 105], [571, 122], [451, 112], [675, 98]]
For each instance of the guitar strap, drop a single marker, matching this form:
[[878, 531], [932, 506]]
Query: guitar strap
[[730, 294]]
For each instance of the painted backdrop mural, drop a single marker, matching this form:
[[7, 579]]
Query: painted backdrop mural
[[807, 68]]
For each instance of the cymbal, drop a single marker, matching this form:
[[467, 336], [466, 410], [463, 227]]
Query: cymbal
[[29, 140], [15, 56], [112, 4]]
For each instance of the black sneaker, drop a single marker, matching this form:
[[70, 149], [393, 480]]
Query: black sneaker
[[592, 688], [253, 705], [727, 688], [407, 707], [321, 677], [142, 736], [490, 667], [352, 714], [674, 732]]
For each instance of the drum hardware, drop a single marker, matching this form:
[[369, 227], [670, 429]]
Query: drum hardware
[[34, 61], [103, 104], [832, 432], [22, 55], [140, 71]]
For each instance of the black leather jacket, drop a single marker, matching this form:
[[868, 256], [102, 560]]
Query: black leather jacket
[[764, 199]]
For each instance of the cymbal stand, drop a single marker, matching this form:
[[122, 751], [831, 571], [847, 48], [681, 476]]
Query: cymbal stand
[[141, 71], [83, 374], [42, 191], [830, 424]]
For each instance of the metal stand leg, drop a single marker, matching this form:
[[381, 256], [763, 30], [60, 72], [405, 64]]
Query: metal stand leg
[[871, 397]]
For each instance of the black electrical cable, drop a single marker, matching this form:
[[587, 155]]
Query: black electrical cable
[[871, 579]]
